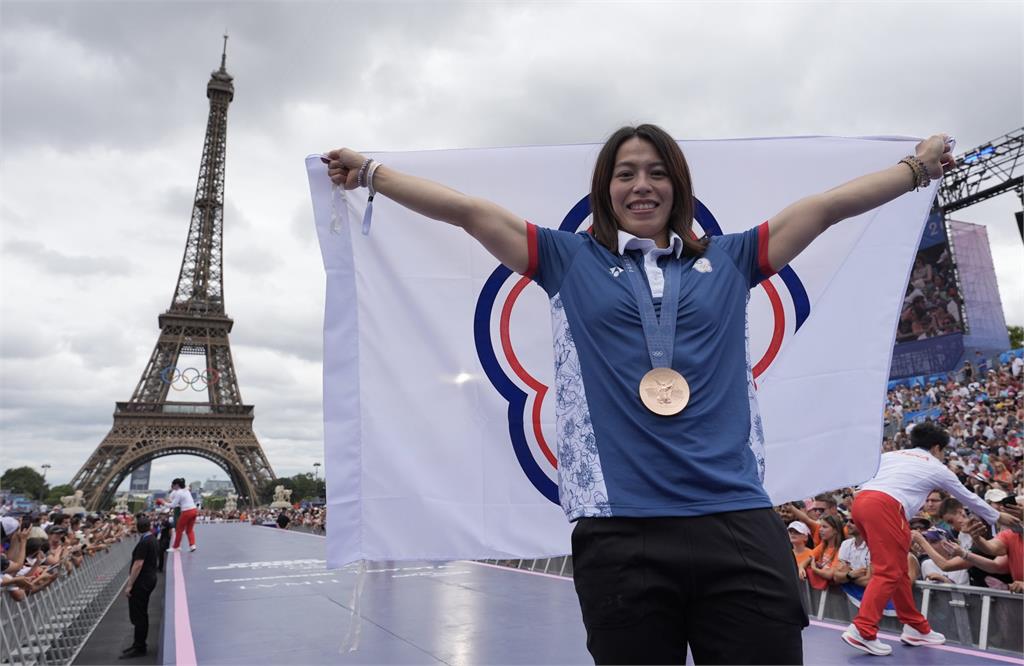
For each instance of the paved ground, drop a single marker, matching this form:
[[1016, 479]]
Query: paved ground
[[256, 595], [114, 633]]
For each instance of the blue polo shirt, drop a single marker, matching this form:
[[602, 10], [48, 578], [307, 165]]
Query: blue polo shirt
[[616, 458]]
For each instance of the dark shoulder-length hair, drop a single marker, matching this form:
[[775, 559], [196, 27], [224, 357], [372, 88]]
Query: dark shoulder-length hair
[[680, 217], [837, 528]]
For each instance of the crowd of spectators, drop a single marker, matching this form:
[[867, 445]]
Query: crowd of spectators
[[38, 549], [932, 303], [312, 519], [981, 408]]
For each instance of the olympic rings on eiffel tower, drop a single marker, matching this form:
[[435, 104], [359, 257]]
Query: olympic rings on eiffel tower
[[192, 378]]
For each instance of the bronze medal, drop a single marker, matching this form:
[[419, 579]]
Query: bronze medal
[[664, 391]]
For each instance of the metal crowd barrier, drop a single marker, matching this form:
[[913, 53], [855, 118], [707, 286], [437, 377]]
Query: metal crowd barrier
[[979, 617], [558, 566], [52, 625]]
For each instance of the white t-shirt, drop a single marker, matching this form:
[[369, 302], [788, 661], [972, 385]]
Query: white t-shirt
[[1017, 365], [909, 475], [856, 556], [182, 498], [957, 577]]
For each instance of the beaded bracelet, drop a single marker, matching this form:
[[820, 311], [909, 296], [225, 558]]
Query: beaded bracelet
[[921, 177], [365, 178], [369, 178], [361, 175]]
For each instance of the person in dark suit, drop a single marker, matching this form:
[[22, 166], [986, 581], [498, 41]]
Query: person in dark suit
[[141, 582], [164, 527]]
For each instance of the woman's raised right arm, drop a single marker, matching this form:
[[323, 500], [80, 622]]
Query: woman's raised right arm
[[502, 233]]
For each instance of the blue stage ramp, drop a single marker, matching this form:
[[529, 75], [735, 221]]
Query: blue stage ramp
[[258, 595]]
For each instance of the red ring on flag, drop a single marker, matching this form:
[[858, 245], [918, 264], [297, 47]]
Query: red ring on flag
[[778, 332], [517, 367]]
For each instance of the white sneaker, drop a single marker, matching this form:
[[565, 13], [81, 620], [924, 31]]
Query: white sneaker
[[876, 647], [192, 548], [173, 550], [912, 636]]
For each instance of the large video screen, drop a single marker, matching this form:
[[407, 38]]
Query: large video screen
[[932, 302], [929, 337]]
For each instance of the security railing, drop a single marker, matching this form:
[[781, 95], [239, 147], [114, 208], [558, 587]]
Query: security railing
[[52, 625], [979, 617], [558, 566], [311, 529]]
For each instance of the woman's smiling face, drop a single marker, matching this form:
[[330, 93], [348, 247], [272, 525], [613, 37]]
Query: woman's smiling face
[[641, 191]]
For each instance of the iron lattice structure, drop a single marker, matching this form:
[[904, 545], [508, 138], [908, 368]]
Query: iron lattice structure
[[219, 428], [984, 172]]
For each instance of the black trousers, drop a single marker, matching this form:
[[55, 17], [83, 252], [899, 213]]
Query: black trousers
[[138, 611], [165, 543], [724, 585]]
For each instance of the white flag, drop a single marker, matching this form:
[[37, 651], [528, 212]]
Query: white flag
[[438, 424]]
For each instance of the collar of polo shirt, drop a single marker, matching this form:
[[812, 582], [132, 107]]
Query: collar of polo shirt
[[651, 252], [628, 241]]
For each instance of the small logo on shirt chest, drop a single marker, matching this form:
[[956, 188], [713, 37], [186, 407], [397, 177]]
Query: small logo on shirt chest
[[702, 265], [615, 271]]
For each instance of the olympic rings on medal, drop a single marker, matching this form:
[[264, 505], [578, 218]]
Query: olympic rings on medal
[[197, 380]]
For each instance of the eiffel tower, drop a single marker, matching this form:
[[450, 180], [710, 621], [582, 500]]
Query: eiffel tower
[[191, 354]]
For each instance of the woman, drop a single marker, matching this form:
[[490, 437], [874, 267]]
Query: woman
[[798, 536], [181, 498], [825, 556], [675, 542], [1002, 475]]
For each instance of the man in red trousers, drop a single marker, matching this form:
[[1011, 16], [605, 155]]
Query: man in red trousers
[[881, 511]]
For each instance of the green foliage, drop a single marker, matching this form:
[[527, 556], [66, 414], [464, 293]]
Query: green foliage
[[1016, 336], [214, 503], [303, 486], [55, 493], [24, 480], [266, 489]]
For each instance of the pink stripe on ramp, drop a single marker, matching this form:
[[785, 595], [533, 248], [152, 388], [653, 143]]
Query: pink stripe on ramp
[[944, 648], [184, 646]]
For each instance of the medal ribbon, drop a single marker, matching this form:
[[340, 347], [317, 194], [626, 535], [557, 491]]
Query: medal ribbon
[[659, 332]]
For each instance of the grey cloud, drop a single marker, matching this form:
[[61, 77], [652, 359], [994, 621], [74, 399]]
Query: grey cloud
[[283, 333], [53, 261], [118, 83], [251, 260], [116, 77], [25, 343], [176, 202], [301, 225], [110, 347]]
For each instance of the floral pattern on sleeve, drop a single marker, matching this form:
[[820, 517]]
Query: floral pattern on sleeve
[[581, 488]]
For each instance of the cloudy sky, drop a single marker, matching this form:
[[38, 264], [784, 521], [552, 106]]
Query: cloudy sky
[[103, 112]]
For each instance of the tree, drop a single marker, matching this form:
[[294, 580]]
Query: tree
[[303, 486], [24, 480], [55, 493], [1016, 336], [214, 503], [266, 489]]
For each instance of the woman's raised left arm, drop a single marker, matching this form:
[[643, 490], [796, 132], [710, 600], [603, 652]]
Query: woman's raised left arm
[[797, 225]]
